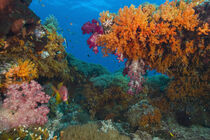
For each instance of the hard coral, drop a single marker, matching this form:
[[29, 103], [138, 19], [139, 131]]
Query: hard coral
[[143, 115]]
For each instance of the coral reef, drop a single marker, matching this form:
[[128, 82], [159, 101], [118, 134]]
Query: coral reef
[[51, 23], [29, 51], [21, 20], [105, 81], [106, 103], [143, 115], [166, 38], [172, 39], [89, 70], [24, 71]]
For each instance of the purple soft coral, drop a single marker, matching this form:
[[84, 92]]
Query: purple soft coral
[[93, 27], [96, 30]]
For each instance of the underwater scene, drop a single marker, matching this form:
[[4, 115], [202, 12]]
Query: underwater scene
[[104, 70]]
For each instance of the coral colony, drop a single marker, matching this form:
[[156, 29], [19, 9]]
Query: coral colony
[[48, 94], [149, 37]]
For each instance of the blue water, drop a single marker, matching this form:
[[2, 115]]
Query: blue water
[[78, 12]]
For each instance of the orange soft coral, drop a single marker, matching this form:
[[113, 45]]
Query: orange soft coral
[[23, 71], [123, 36], [150, 34]]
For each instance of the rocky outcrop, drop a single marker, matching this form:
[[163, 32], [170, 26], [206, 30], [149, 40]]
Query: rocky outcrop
[[16, 17]]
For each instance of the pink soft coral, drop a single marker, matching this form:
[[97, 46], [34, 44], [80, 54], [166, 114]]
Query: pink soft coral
[[23, 106], [135, 69]]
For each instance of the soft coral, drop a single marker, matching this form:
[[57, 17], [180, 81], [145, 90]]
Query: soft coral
[[96, 30]]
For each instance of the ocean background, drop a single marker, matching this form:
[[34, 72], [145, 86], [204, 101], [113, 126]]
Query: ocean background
[[72, 14]]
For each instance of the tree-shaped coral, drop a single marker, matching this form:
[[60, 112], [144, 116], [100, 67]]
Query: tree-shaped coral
[[156, 38]]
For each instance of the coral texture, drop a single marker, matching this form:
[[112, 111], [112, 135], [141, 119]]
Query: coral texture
[[24, 71], [96, 30], [91, 131], [23, 106]]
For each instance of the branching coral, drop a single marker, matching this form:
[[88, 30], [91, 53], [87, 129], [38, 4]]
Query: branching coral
[[51, 23]]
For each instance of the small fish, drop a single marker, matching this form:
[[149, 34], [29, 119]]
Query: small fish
[[88, 55], [42, 5], [61, 93], [171, 134], [70, 23], [65, 42]]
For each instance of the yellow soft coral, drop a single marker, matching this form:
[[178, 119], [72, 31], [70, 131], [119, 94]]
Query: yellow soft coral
[[105, 16], [25, 70]]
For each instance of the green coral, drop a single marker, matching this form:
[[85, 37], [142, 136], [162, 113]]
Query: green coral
[[108, 80], [51, 24]]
